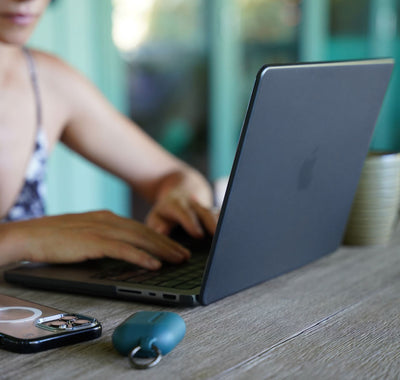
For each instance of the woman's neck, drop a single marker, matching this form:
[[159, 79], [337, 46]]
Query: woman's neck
[[10, 55]]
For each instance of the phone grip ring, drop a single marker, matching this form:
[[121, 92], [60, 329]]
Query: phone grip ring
[[149, 364]]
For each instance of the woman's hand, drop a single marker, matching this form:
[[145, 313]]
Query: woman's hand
[[78, 237], [178, 207]]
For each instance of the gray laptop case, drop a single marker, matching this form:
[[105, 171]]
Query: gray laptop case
[[302, 146]]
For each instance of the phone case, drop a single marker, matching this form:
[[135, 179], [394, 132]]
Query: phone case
[[28, 327]]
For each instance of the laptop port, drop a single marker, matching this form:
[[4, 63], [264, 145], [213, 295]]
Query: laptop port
[[129, 291], [169, 296]]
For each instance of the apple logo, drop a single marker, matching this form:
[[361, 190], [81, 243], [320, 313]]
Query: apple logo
[[306, 172]]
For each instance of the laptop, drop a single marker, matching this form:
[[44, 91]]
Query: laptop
[[301, 149]]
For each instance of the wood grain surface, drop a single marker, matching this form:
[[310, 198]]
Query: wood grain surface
[[335, 318]]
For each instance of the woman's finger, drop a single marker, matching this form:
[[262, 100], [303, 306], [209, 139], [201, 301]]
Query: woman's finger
[[168, 214], [208, 217]]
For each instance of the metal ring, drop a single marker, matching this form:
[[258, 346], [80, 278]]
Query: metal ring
[[36, 313], [146, 365]]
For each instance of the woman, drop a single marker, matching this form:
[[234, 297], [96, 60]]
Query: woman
[[43, 100]]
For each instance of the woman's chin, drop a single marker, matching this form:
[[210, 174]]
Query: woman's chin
[[17, 39]]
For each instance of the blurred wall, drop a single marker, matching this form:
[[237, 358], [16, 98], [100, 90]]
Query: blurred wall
[[357, 29], [224, 44]]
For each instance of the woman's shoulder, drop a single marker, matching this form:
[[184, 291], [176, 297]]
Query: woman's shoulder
[[60, 79], [51, 66], [61, 88], [45, 57], [56, 72]]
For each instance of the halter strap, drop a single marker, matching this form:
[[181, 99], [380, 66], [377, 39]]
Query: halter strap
[[35, 86]]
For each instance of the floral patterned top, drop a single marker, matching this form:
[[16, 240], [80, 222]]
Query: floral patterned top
[[30, 202]]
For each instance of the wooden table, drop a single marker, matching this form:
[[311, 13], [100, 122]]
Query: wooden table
[[337, 318]]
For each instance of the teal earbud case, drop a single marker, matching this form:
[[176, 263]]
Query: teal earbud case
[[149, 333]]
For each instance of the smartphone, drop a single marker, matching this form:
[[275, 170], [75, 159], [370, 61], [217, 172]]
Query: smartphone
[[27, 327]]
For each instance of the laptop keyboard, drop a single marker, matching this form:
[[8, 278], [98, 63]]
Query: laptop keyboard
[[184, 276], [181, 277]]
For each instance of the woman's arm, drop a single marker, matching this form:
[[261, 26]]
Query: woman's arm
[[97, 131]]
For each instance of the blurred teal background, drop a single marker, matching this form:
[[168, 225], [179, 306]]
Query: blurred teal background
[[184, 69]]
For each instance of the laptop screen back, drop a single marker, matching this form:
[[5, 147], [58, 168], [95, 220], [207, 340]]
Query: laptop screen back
[[296, 170]]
